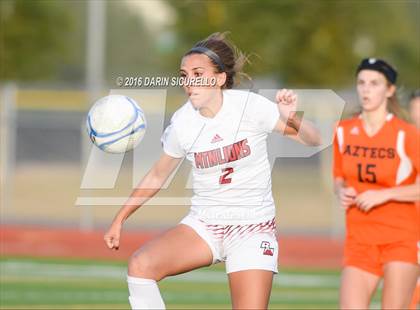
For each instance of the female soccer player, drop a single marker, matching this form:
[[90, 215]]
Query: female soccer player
[[223, 133], [414, 108], [376, 163]]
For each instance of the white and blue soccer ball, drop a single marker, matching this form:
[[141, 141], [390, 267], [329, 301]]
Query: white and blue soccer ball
[[116, 124]]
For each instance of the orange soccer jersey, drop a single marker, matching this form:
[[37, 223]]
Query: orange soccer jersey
[[389, 158]]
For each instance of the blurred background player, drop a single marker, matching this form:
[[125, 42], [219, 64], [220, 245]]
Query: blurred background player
[[223, 133], [414, 108], [376, 163], [414, 111]]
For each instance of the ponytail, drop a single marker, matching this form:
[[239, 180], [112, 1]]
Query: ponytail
[[394, 106], [225, 56]]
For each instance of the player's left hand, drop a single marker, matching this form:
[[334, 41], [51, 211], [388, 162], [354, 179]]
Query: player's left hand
[[287, 103], [370, 199]]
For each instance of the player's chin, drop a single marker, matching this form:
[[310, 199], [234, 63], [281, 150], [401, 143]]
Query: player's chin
[[369, 106]]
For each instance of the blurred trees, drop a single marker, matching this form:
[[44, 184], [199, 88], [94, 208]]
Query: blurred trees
[[301, 43], [129, 46], [44, 40], [33, 38], [309, 43]]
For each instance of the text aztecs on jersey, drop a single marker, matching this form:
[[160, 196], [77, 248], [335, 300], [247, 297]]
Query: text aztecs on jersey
[[369, 152], [222, 155]]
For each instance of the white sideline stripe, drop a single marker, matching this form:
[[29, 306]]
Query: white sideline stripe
[[155, 201], [27, 269], [117, 201]]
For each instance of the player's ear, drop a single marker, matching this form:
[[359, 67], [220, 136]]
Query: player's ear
[[221, 79], [391, 90]]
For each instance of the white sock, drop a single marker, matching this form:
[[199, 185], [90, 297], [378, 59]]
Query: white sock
[[144, 294]]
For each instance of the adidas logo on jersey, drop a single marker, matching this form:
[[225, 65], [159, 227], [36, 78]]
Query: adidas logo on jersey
[[354, 131], [216, 138]]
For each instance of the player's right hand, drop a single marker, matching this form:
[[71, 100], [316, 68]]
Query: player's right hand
[[112, 237], [347, 196]]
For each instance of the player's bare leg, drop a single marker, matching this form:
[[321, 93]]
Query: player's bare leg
[[357, 288], [250, 289], [178, 250], [400, 280], [415, 300]]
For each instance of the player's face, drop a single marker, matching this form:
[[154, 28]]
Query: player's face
[[415, 111], [200, 66], [373, 89]]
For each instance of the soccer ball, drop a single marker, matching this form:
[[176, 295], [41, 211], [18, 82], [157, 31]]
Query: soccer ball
[[116, 124]]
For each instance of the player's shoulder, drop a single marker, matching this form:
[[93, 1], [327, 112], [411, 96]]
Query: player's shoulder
[[401, 124], [236, 93], [183, 113], [248, 99], [236, 97], [250, 106], [350, 122], [243, 95]]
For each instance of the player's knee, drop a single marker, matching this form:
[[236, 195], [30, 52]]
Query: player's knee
[[143, 266]]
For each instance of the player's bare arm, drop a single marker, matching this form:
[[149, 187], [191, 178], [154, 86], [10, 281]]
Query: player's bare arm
[[147, 188], [373, 198], [344, 193], [291, 124]]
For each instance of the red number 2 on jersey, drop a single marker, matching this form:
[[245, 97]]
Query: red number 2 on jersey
[[223, 178]]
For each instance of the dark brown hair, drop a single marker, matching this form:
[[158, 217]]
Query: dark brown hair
[[230, 56]]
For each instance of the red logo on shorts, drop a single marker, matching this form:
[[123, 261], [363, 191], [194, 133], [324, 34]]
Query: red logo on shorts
[[267, 250]]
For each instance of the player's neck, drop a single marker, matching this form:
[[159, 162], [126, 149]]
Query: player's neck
[[214, 106], [374, 120]]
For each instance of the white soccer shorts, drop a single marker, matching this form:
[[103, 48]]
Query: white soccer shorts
[[241, 247]]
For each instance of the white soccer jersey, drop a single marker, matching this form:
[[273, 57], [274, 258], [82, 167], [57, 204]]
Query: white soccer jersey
[[228, 153]]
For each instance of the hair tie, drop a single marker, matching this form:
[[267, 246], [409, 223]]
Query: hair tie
[[212, 55]]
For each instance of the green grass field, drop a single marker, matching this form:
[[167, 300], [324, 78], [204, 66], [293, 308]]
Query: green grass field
[[68, 284]]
